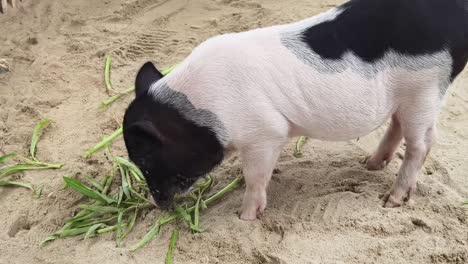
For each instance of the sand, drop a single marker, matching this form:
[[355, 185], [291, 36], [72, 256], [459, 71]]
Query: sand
[[323, 207]]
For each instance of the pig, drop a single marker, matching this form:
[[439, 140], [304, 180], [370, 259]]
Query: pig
[[335, 76]]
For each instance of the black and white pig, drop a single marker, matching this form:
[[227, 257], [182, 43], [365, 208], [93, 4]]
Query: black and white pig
[[335, 76]]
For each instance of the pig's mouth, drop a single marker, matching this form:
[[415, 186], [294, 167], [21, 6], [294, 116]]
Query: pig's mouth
[[165, 194]]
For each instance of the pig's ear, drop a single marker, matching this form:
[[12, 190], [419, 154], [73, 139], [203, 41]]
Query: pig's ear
[[148, 131], [147, 75]]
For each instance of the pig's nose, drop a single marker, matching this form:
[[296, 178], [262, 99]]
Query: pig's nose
[[162, 201]]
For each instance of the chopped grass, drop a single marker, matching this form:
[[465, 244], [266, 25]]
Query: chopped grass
[[107, 74], [6, 157], [172, 245], [299, 144], [116, 97], [25, 164], [184, 214], [86, 191], [15, 183], [35, 137], [152, 233], [104, 143], [111, 209], [119, 94]]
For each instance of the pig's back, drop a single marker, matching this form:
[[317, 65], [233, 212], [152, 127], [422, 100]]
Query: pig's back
[[334, 76]]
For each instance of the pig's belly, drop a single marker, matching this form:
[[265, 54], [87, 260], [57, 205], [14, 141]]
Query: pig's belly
[[342, 126], [342, 111]]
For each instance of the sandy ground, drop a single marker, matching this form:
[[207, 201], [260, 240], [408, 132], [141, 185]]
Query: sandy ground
[[323, 207]]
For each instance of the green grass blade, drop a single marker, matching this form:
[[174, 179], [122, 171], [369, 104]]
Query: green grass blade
[[299, 144], [99, 208], [12, 169], [86, 191], [108, 183], [15, 183], [107, 69], [204, 183], [95, 184], [139, 196], [131, 224], [35, 137], [223, 191], [92, 230], [120, 227], [148, 237], [116, 97], [184, 214], [7, 157], [120, 196], [38, 192], [107, 76], [80, 217], [125, 184], [131, 167], [39, 163], [73, 232], [129, 181], [49, 239], [108, 229], [96, 220], [196, 214], [172, 245], [107, 140]]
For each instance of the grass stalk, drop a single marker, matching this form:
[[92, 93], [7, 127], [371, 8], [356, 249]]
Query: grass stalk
[[106, 141]]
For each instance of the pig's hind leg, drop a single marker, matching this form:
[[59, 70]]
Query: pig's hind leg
[[387, 147], [418, 129], [258, 164]]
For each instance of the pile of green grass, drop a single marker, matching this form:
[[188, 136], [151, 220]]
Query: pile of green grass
[[115, 207], [25, 163]]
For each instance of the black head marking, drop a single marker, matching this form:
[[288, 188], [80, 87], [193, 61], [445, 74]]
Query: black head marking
[[147, 75], [171, 150]]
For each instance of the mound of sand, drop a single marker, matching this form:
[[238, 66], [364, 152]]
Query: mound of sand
[[323, 207]]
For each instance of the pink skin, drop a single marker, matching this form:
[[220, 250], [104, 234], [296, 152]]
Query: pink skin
[[387, 147], [258, 165], [417, 149]]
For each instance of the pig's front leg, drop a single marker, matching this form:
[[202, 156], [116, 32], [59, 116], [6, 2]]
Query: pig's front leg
[[258, 164]]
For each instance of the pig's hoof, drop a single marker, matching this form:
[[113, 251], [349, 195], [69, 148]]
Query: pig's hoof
[[253, 205], [246, 216], [391, 202], [374, 164], [396, 198], [251, 215]]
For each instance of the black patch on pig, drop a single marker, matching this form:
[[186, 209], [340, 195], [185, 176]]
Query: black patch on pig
[[370, 28]]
